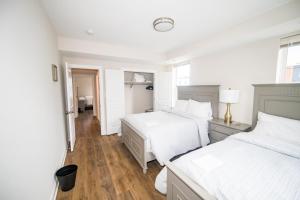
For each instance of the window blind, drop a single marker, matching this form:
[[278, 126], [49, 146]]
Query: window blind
[[290, 41]]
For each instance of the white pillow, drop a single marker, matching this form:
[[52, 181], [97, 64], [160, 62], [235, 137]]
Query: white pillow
[[279, 127], [200, 109], [181, 106]]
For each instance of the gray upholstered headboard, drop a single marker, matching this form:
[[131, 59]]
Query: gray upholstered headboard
[[276, 99], [202, 93]]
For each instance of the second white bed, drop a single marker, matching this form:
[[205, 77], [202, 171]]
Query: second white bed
[[244, 166]]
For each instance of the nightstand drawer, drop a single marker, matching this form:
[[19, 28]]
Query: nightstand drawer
[[216, 136], [223, 129]]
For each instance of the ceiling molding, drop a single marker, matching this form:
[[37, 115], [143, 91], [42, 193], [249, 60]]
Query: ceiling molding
[[93, 49]]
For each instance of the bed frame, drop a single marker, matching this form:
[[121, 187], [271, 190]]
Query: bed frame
[[136, 143], [276, 99]]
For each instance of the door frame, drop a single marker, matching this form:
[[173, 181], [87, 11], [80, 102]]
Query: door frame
[[101, 92], [95, 85], [69, 110]]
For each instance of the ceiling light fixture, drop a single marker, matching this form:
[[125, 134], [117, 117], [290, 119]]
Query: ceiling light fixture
[[163, 24], [90, 32]]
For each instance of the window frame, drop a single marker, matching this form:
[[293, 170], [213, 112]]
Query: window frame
[[285, 72], [183, 78]]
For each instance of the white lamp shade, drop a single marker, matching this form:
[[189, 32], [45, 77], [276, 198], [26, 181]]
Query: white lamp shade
[[229, 96]]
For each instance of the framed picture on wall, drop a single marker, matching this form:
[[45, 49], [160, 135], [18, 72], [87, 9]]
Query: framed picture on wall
[[54, 73]]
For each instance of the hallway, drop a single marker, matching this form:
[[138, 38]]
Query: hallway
[[106, 169]]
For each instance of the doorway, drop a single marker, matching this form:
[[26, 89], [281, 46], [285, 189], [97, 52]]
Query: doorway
[[82, 91], [86, 92]]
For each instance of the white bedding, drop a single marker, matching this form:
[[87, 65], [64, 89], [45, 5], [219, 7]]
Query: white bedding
[[245, 166], [169, 134], [89, 100]]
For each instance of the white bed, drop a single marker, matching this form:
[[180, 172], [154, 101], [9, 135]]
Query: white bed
[[85, 101], [262, 164], [170, 133], [162, 135]]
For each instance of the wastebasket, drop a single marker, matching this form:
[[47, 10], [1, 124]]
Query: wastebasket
[[66, 177]]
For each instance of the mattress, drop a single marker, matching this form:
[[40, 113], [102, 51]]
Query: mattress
[[169, 134], [144, 121]]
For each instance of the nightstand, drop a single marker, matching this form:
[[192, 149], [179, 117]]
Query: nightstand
[[218, 130]]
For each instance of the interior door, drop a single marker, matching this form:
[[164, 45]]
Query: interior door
[[114, 100], [69, 106], [163, 91]]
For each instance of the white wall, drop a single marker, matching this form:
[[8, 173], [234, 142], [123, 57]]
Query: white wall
[[107, 50], [85, 83], [32, 131], [137, 99], [238, 68], [277, 22]]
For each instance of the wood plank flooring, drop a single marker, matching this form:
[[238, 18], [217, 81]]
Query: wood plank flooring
[[106, 169]]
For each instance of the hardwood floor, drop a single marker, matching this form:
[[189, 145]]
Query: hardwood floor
[[106, 169]]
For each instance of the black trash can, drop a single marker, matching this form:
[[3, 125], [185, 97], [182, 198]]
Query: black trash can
[[66, 177]]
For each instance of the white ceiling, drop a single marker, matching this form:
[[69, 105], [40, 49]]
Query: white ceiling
[[129, 22]]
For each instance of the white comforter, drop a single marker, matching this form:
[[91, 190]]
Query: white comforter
[[246, 166], [169, 133]]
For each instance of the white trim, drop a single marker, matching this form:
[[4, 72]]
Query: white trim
[[102, 102], [82, 66], [54, 193]]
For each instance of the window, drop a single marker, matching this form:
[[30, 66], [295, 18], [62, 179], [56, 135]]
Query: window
[[183, 74], [288, 70]]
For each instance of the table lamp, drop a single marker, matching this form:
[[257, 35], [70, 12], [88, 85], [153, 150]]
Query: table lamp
[[229, 96]]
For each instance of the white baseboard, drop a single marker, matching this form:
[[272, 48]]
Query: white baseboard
[[54, 194]]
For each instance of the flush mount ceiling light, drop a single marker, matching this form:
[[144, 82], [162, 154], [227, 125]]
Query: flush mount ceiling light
[[163, 24], [90, 32]]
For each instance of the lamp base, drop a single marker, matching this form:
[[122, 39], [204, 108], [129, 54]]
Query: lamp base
[[228, 116]]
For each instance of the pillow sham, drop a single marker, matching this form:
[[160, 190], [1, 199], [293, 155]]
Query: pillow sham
[[181, 106], [279, 127], [200, 109]]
